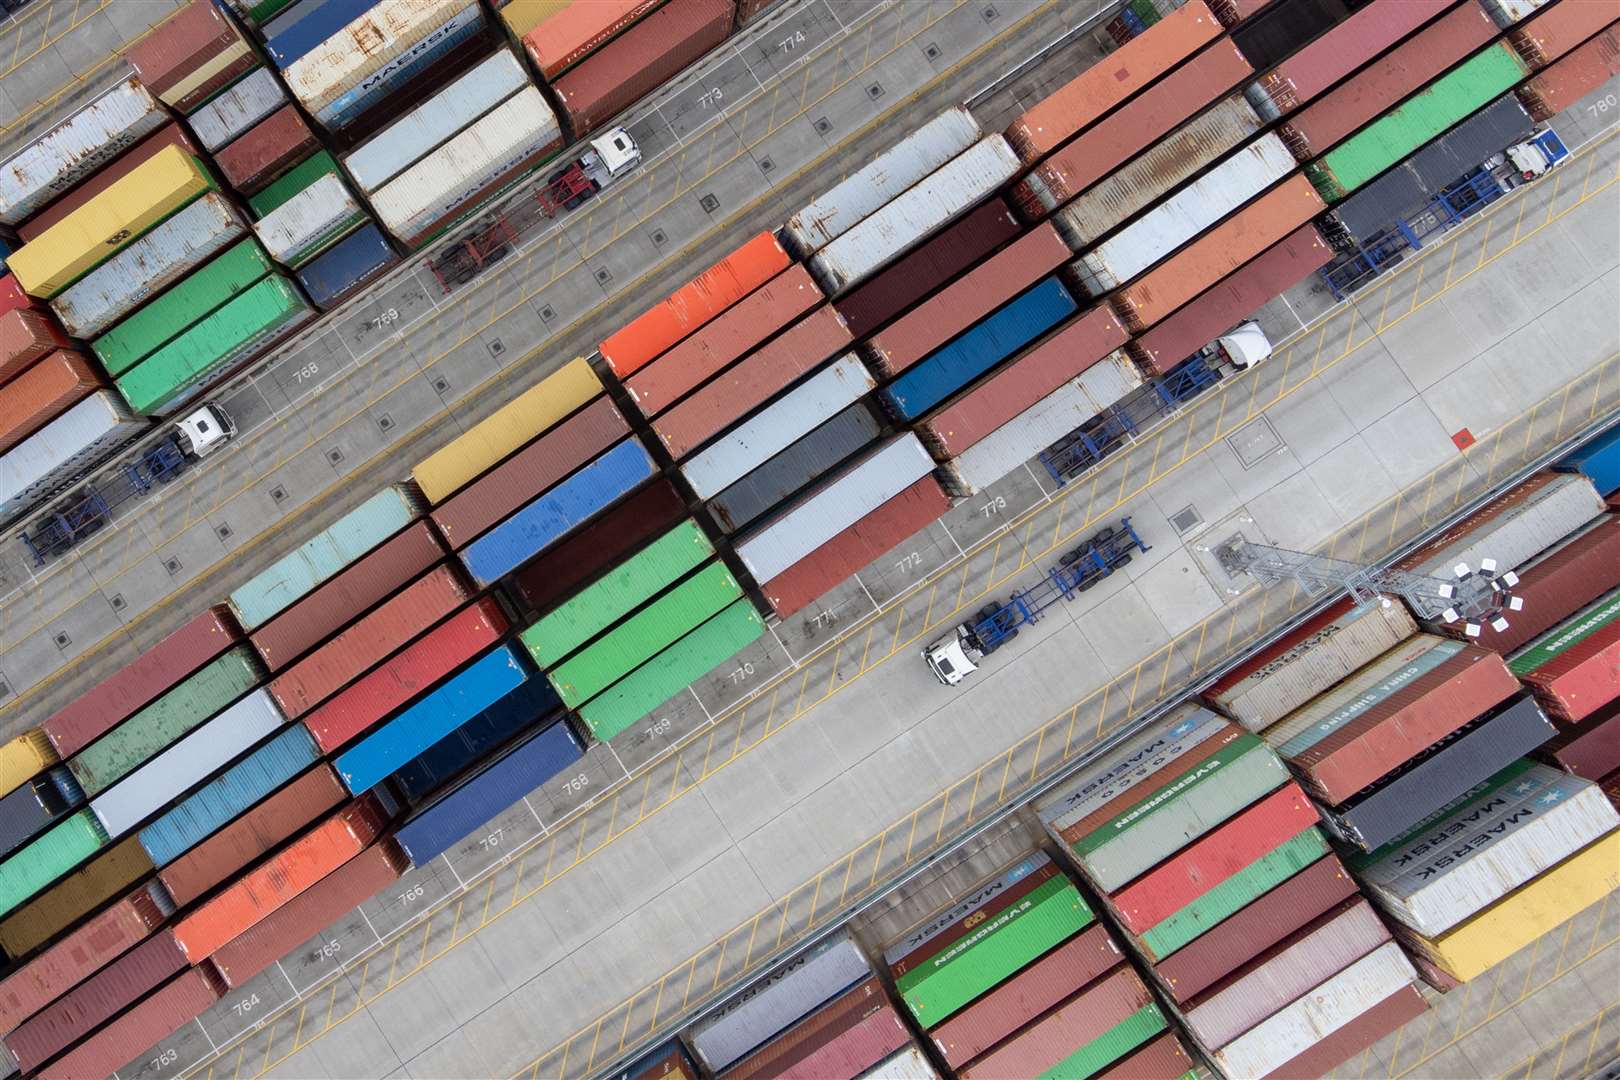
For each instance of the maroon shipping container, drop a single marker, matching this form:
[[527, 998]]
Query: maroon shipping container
[[1269, 919], [1572, 78], [1131, 129], [266, 150], [1559, 29], [1156, 781], [1337, 1047], [310, 912], [12, 297], [73, 1016], [878, 1034], [119, 696], [927, 267], [749, 10], [846, 1037], [968, 299], [752, 381], [1055, 1036], [356, 588], [640, 60], [544, 462], [1330, 57], [1403, 70], [857, 546], [953, 933], [1160, 1059], [1047, 365], [97, 182], [1026, 995], [26, 335], [180, 46], [1235, 298], [1590, 749], [180, 1000], [243, 841]]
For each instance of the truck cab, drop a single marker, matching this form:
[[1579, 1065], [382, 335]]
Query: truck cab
[[204, 430], [954, 657], [610, 156], [1244, 346]]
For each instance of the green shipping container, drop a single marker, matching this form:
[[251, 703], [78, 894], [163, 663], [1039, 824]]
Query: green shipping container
[[196, 296], [293, 181], [1235, 893], [985, 932], [1566, 635], [200, 696], [235, 331], [613, 596], [662, 677], [1110, 1046], [64, 846], [1426, 114]]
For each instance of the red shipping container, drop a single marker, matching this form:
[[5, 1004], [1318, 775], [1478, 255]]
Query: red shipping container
[[1053, 361], [1160, 1059], [1111, 80], [749, 10], [1131, 129], [752, 381], [1559, 29], [1404, 69], [1235, 298], [640, 60], [1243, 935], [1582, 679], [547, 460], [575, 30], [179, 49], [407, 673], [1590, 750], [1337, 1047], [26, 335], [369, 640], [837, 1039], [42, 393], [1218, 252], [857, 546], [1326, 59], [647, 336], [12, 297], [1572, 78], [103, 938], [357, 587], [765, 311], [76, 1014], [246, 839], [878, 1034], [1056, 1035], [1213, 858], [181, 1000], [1157, 781], [960, 304], [166, 136], [939, 942], [118, 697], [266, 150], [1026, 995]]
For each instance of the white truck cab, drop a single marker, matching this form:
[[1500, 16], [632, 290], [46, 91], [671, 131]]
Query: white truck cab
[[953, 657], [614, 152], [205, 429], [1245, 346]]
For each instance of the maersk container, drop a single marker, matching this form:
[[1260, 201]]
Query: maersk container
[[833, 506], [347, 266], [1512, 528], [76, 441], [805, 459], [915, 214], [231, 793], [506, 142], [1597, 459], [440, 825], [782, 998], [101, 123], [749, 444], [310, 222], [148, 266], [855, 198], [66, 845], [35, 805], [418, 133], [948, 920], [437, 766], [366, 102], [1185, 214], [298, 27], [547, 518], [328, 552], [467, 693], [232, 113]]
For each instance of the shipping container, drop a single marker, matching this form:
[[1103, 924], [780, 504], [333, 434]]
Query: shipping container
[[191, 56], [1358, 1035], [1590, 749], [310, 222], [859, 195], [347, 267], [324, 555], [63, 847], [298, 28], [1574, 668], [27, 336], [42, 393], [533, 704], [802, 462], [1598, 459], [1569, 80], [907, 1064], [111, 872], [1081, 1036], [606, 540], [266, 151], [226, 126], [1278, 29], [1108, 82], [1511, 528], [23, 757], [36, 805], [291, 182], [570, 34], [1508, 13], [99, 181], [76, 441], [1160, 1058], [154, 1019], [12, 297], [950, 924], [844, 1037]]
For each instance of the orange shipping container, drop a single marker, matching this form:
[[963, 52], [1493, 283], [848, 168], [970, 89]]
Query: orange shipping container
[[40, 394], [281, 877], [26, 334], [695, 303], [1218, 252], [569, 36]]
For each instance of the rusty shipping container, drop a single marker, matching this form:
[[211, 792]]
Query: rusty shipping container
[[266, 150], [191, 55], [114, 870], [1574, 668], [1342, 1044], [1590, 749], [1573, 77], [154, 1019], [844, 1037], [99, 181], [27, 335], [1049, 1041], [43, 392], [1558, 30], [1162, 1057]]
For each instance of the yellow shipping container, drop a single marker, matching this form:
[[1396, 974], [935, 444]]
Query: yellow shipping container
[[22, 758], [521, 16], [1535, 908], [108, 875], [99, 229], [491, 440]]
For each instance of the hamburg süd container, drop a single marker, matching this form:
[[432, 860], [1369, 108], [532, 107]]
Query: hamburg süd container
[[1574, 668], [1572, 78], [78, 439], [228, 118], [347, 267], [39, 395], [572, 32], [810, 456], [310, 222], [93, 185]]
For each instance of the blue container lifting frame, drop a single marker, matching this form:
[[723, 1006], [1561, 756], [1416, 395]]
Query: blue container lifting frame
[[87, 509]]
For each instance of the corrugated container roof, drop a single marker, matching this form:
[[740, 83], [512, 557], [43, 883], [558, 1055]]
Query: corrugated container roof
[[1083, 1022], [773, 483]]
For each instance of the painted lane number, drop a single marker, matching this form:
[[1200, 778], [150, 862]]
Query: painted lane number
[[739, 674], [792, 41], [660, 726], [909, 562], [994, 506], [413, 894], [386, 318], [712, 99], [246, 1005], [308, 371], [576, 784], [167, 1057], [493, 840], [1603, 105]]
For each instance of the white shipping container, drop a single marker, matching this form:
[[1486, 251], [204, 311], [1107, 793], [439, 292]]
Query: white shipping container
[[1519, 532], [365, 46], [148, 266], [1328, 1007], [230, 114], [1369, 687], [98, 130], [789, 993], [833, 505], [509, 139], [851, 201], [309, 221], [184, 764], [75, 441], [1507, 13], [422, 130], [918, 213], [907, 1064], [400, 68], [1185, 214], [773, 428]]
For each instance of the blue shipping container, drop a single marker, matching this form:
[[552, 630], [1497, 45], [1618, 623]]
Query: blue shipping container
[[293, 33], [467, 693], [242, 785], [346, 265], [1598, 460], [979, 348], [436, 766], [543, 521], [401, 69], [437, 827]]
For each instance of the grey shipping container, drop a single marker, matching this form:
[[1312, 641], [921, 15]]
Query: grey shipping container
[[230, 114], [1128, 765], [1513, 527], [801, 462], [34, 805], [77, 440]]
